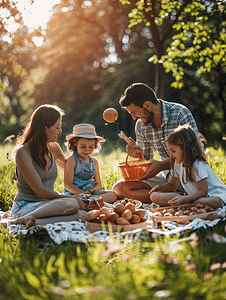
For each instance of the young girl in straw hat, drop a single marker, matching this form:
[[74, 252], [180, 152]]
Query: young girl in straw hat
[[82, 174]]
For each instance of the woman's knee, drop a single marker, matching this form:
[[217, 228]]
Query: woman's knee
[[70, 206]]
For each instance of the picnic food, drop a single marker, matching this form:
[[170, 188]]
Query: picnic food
[[124, 213], [140, 213], [127, 214], [122, 221], [92, 215], [105, 211], [119, 208], [131, 207], [181, 210], [125, 201], [110, 115], [181, 213], [135, 219], [113, 217]]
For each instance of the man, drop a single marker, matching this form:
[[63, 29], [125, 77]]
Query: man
[[156, 118]]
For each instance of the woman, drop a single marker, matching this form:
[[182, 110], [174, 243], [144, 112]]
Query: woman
[[37, 155]]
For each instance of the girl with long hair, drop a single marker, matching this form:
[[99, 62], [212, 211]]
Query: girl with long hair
[[37, 158], [189, 166]]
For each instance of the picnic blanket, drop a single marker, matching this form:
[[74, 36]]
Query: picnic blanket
[[76, 231]]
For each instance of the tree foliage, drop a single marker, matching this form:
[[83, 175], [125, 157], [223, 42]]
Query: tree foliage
[[190, 43], [17, 58], [198, 30], [9, 12], [81, 42], [93, 50]]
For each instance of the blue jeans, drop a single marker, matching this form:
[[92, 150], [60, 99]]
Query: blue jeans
[[23, 207]]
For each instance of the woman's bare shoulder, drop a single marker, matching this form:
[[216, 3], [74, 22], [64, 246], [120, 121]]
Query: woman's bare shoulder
[[23, 156], [22, 150], [55, 147]]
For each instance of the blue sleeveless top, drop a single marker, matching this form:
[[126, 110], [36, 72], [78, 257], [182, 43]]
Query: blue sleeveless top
[[48, 179], [83, 174]]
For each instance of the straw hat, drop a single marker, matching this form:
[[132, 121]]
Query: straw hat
[[86, 131]]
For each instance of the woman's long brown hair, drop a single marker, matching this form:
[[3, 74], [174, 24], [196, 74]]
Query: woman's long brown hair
[[185, 137], [34, 133]]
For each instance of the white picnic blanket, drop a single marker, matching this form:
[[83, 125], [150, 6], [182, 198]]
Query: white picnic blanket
[[75, 231]]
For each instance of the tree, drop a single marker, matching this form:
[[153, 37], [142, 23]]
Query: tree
[[14, 104], [8, 11], [199, 94], [193, 20], [82, 40], [16, 61], [190, 42]]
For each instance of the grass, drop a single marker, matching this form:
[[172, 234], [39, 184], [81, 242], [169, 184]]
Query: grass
[[155, 268]]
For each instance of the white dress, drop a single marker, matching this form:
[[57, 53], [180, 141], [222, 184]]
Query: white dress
[[215, 186]]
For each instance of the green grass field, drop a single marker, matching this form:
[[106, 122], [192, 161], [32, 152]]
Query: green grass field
[[155, 268]]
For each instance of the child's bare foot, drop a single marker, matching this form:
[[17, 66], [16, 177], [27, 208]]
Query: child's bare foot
[[29, 222]]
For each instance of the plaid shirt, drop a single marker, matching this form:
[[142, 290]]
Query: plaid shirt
[[147, 137]]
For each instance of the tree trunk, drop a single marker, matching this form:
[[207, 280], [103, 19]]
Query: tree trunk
[[159, 46], [221, 95]]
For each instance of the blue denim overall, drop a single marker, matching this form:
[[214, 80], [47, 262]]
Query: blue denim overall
[[83, 175]]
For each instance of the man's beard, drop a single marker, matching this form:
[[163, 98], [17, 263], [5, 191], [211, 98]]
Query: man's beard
[[148, 116]]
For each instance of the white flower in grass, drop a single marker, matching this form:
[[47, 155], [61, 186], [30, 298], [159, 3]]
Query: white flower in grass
[[81, 290], [163, 294]]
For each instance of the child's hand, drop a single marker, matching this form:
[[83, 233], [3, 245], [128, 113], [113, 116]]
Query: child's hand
[[178, 200], [156, 188], [87, 193]]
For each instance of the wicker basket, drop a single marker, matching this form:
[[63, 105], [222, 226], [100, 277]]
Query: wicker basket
[[134, 170], [92, 202]]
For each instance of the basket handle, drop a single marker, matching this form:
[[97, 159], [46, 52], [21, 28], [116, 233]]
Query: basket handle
[[142, 157]]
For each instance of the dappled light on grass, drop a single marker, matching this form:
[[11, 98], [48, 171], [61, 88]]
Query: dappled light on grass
[[159, 267], [152, 269], [207, 275], [163, 294], [215, 266], [127, 257], [172, 259], [111, 248], [190, 267]]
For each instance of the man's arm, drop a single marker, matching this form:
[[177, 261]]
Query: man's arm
[[156, 167]]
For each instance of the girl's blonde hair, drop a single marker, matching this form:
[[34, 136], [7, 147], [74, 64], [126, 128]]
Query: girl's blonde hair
[[72, 145], [185, 137]]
